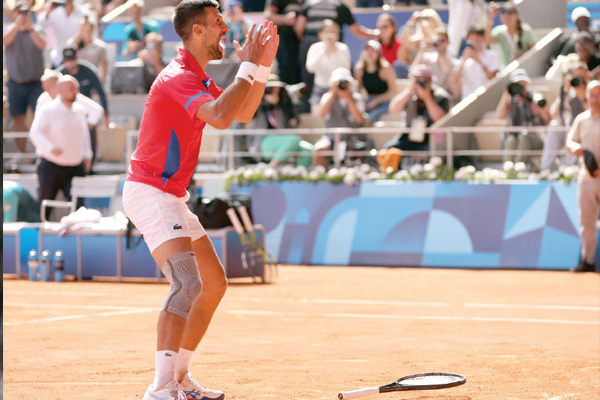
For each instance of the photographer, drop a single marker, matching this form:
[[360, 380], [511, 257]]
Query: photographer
[[522, 108], [435, 54], [476, 66], [341, 107], [424, 103], [569, 104], [24, 60], [276, 113]]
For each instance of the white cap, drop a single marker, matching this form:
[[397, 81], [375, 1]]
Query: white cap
[[340, 74], [579, 12]]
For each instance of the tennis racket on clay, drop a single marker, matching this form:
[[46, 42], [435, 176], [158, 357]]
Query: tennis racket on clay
[[428, 381], [252, 261], [270, 261]]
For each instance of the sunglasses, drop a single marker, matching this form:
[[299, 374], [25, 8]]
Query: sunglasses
[[508, 11], [384, 26]]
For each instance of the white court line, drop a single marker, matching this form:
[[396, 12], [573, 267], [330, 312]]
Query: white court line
[[81, 306], [564, 396], [418, 303], [69, 317], [318, 301], [534, 307], [75, 294], [414, 317]]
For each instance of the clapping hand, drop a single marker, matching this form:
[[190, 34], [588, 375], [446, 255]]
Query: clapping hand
[[260, 46]]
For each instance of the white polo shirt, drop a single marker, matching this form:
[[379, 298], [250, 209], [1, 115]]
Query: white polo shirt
[[57, 125]]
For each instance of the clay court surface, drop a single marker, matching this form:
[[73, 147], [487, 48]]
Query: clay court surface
[[317, 330]]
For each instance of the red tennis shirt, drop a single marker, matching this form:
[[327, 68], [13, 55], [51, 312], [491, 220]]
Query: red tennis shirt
[[170, 133]]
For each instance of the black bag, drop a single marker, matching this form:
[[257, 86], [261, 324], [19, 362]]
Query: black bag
[[212, 212]]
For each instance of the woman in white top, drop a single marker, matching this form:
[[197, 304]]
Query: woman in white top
[[325, 56]]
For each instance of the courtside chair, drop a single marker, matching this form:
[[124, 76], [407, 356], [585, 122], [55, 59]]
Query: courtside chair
[[89, 187]]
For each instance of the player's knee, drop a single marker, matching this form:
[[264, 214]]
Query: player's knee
[[182, 272]]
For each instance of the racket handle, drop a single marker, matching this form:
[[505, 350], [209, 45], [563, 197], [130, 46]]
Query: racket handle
[[358, 393], [237, 225], [246, 218]]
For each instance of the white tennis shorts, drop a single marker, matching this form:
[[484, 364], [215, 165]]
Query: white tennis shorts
[[158, 215]]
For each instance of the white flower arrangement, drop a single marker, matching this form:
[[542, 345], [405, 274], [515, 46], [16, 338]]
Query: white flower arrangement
[[434, 170]]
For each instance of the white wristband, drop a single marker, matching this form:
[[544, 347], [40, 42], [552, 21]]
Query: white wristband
[[247, 71], [262, 74]]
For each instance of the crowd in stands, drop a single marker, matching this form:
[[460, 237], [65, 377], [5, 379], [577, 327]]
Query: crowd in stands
[[420, 69]]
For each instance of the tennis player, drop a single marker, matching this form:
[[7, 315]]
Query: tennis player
[[182, 100]]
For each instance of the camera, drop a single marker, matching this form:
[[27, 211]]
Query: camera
[[24, 10], [515, 89], [470, 44], [343, 85], [423, 82], [435, 44], [576, 81], [539, 99]]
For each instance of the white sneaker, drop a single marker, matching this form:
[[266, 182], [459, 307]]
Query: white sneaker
[[169, 392], [195, 391]]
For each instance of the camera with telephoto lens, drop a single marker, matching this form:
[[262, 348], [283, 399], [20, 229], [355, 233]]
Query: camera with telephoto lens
[[576, 81], [423, 82], [537, 98], [515, 89], [343, 84]]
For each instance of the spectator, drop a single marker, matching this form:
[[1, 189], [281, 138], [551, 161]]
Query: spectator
[[436, 55], [153, 58], [392, 47], [325, 56], [86, 74], [369, 3], [277, 112], [422, 25], [512, 38], [476, 66], [310, 22], [89, 84], [341, 107], [584, 136], [424, 103], [588, 53], [580, 16], [239, 25], [93, 111], [522, 108], [377, 77], [62, 141], [571, 102], [63, 17], [136, 31], [24, 60], [90, 47], [463, 14], [284, 13]]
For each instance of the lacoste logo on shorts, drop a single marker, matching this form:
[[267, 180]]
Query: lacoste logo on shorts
[[176, 227], [168, 354], [251, 77]]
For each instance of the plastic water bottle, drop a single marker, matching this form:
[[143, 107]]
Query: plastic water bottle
[[46, 266], [59, 266], [33, 263]]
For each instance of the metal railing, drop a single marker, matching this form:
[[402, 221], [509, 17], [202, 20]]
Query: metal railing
[[227, 157]]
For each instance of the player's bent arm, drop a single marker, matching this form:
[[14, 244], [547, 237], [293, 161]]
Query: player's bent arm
[[220, 113], [252, 102]]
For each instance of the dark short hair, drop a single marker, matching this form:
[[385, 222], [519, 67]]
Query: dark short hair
[[190, 12], [477, 30]]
